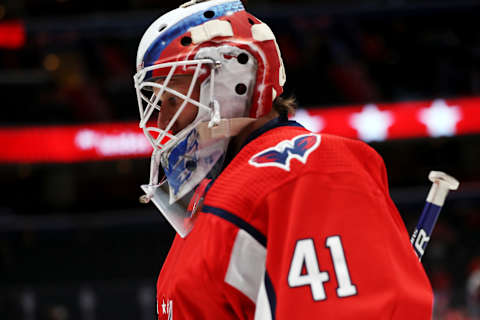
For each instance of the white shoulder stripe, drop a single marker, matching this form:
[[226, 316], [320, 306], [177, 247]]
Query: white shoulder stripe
[[247, 265], [263, 309]]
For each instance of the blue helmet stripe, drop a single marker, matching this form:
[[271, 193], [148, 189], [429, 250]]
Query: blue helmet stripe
[[157, 46]]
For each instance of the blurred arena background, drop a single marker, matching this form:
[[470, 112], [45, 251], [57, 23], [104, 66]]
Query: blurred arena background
[[75, 243]]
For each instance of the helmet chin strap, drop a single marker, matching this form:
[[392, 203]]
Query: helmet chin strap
[[224, 128]]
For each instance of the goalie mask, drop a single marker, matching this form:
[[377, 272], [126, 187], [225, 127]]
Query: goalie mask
[[235, 71]]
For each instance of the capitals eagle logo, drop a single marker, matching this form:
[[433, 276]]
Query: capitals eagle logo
[[281, 155]]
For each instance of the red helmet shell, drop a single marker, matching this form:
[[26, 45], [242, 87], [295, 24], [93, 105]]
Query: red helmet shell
[[178, 43]]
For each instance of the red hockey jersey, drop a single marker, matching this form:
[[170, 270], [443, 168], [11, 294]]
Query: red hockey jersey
[[297, 226]]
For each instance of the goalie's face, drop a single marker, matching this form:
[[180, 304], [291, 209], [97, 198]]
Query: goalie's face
[[170, 104], [169, 101]]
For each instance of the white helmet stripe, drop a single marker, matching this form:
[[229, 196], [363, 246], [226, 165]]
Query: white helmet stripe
[[210, 30]]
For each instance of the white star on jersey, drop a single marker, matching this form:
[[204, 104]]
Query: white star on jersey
[[371, 123], [440, 119], [312, 123]]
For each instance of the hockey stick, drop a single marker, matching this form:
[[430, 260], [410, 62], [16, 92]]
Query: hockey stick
[[442, 184]]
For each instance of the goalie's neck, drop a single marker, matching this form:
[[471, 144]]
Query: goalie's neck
[[241, 139]]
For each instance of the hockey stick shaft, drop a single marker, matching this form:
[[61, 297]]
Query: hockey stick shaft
[[442, 183]]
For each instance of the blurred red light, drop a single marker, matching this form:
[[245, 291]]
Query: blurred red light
[[12, 34]]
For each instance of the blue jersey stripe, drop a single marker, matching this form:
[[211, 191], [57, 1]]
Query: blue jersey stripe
[[272, 124], [155, 50], [272, 297], [237, 221]]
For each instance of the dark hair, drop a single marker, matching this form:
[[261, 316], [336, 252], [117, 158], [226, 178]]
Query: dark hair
[[285, 106]]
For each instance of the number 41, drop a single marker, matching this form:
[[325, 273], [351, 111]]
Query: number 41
[[304, 255]]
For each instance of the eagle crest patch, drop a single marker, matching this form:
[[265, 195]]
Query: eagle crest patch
[[282, 154]]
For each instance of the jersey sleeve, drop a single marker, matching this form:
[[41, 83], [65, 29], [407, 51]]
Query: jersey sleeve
[[206, 275], [337, 248]]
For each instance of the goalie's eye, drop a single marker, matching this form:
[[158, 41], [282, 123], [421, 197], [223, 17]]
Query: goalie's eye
[[172, 101]]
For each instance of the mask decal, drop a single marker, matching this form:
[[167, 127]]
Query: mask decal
[[179, 163], [189, 161]]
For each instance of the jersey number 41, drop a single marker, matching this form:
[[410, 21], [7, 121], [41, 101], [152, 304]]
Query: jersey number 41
[[304, 255]]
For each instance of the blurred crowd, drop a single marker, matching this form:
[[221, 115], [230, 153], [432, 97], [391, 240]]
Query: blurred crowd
[[76, 70]]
